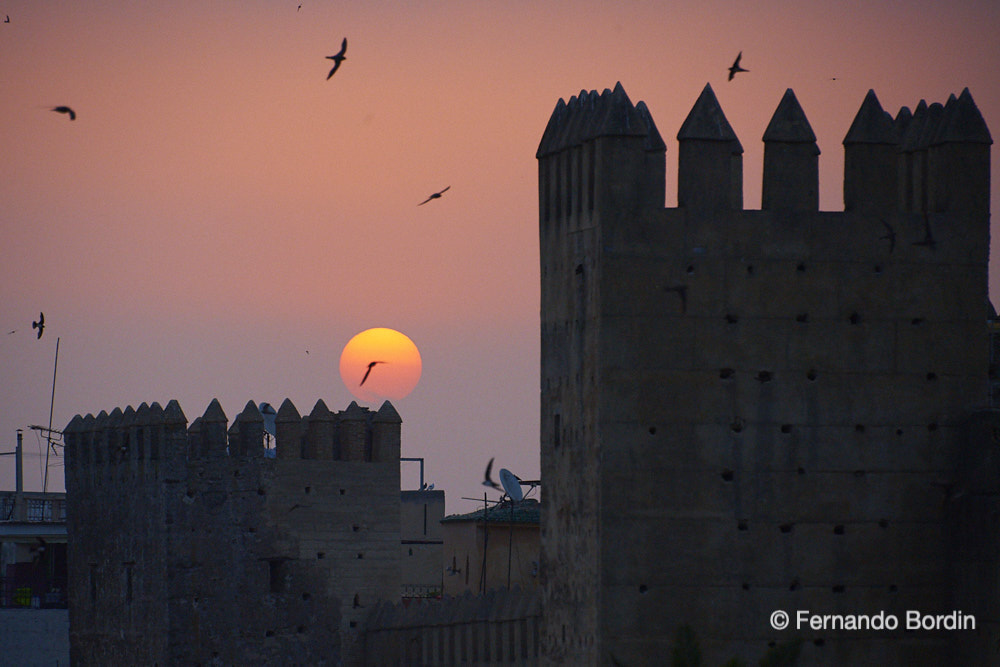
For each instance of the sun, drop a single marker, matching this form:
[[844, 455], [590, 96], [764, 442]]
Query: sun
[[380, 364]]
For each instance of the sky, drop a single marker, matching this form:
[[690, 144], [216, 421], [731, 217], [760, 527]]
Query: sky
[[221, 219]]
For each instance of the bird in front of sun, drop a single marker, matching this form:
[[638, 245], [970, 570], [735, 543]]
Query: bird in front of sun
[[368, 372], [488, 477], [337, 58], [736, 66], [436, 195], [65, 110]]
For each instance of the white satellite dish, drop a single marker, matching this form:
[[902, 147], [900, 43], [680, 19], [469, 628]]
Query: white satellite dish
[[269, 414], [511, 485]]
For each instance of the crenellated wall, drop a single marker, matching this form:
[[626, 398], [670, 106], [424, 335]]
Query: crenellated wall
[[195, 545], [751, 410]]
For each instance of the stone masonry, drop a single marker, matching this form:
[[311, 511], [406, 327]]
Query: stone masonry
[[745, 411], [190, 545]]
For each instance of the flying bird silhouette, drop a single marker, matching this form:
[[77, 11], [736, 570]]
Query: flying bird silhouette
[[7, 20], [40, 324], [337, 59], [488, 477], [72, 114], [736, 67], [368, 372], [436, 195]]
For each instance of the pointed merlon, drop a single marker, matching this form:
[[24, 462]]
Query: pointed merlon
[[320, 411], [901, 124], [354, 412], [706, 121], [620, 118], [872, 125], [287, 412], [387, 414], [943, 122], [128, 417], [251, 413], [654, 142], [789, 124], [75, 425], [214, 413], [548, 141], [172, 414], [965, 123], [913, 131], [935, 112], [142, 415]]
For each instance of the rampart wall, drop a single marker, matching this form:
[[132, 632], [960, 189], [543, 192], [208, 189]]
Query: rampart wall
[[498, 628], [194, 545]]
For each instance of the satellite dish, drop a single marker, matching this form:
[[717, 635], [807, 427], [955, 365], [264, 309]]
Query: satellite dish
[[511, 485], [269, 414]]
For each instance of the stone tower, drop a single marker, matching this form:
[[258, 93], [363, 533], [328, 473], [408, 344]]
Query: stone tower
[[750, 411], [192, 545]]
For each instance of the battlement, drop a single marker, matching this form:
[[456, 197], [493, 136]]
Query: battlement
[[933, 160], [763, 404], [140, 438]]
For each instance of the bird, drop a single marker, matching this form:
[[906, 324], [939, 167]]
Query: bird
[[337, 59], [40, 324], [488, 477], [736, 67], [368, 372], [436, 195], [682, 291], [72, 114], [299, 7], [11, 331], [890, 235], [7, 20]]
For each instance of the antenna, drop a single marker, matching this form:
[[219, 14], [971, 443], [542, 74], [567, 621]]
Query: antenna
[[511, 485]]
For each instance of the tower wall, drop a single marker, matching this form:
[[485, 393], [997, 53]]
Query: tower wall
[[192, 545], [746, 411]]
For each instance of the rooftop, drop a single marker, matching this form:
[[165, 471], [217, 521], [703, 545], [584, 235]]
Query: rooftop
[[524, 511]]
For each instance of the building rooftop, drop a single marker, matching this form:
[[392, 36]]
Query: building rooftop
[[524, 511]]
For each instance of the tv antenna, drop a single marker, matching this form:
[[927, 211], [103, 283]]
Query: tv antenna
[[269, 414]]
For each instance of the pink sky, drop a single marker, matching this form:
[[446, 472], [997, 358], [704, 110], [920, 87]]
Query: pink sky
[[218, 207]]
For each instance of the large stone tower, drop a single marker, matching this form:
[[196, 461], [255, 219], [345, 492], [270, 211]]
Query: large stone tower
[[751, 411], [191, 545]]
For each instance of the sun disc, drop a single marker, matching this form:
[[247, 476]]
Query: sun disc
[[380, 364]]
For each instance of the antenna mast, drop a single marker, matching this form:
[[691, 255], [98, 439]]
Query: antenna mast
[[48, 435]]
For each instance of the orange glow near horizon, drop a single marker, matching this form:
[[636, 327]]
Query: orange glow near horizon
[[393, 377]]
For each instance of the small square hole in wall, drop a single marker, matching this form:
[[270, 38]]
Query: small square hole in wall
[[343, 491], [320, 555], [308, 489]]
